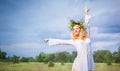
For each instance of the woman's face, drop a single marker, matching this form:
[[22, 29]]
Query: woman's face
[[76, 30]]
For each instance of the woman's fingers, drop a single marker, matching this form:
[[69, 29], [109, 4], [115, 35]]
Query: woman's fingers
[[86, 10], [46, 40]]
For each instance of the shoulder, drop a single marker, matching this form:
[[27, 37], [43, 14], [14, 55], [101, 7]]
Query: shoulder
[[88, 40]]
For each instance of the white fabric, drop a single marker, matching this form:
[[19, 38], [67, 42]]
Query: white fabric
[[87, 18], [89, 48], [81, 61], [87, 25], [89, 55]]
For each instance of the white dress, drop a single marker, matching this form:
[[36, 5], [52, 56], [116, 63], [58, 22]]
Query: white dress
[[89, 55], [84, 60], [81, 61]]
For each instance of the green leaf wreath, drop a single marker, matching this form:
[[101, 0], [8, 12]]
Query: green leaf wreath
[[72, 23]]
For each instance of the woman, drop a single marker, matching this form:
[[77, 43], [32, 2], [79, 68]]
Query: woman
[[81, 42], [80, 62]]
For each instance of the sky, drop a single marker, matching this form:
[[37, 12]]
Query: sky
[[24, 24]]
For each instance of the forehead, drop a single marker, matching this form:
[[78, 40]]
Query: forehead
[[76, 26]]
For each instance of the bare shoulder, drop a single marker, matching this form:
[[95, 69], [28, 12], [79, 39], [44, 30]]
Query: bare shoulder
[[87, 40]]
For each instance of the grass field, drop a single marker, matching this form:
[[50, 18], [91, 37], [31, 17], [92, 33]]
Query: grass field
[[32, 66]]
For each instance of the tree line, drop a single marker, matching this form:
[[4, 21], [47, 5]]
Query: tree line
[[100, 56]]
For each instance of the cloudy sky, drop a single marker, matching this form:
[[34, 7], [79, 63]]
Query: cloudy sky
[[25, 23]]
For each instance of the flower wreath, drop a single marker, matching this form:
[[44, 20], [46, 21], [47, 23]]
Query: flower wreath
[[72, 23]]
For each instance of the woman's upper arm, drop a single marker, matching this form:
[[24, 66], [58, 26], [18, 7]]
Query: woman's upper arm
[[87, 18]]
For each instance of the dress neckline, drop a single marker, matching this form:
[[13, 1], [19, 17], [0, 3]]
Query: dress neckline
[[82, 40], [79, 40]]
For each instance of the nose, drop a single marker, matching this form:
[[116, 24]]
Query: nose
[[76, 30]]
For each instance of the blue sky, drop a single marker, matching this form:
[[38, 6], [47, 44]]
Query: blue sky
[[25, 23]]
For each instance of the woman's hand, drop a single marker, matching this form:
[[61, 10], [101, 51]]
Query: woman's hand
[[46, 40], [86, 10]]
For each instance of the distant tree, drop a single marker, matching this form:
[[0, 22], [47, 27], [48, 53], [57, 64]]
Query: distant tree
[[51, 64], [2, 54], [98, 56], [62, 63], [103, 56], [52, 57], [31, 59], [63, 57], [108, 58], [56, 57], [116, 56], [41, 57], [119, 49], [47, 58], [15, 59], [119, 54], [74, 54], [8, 58], [24, 59]]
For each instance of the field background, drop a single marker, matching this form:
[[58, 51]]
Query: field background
[[36, 66]]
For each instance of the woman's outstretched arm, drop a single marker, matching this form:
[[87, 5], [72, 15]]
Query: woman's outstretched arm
[[52, 41]]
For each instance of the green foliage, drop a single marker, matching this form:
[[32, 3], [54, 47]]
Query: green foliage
[[63, 56], [62, 63], [40, 57], [51, 64], [74, 54], [72, 23], [31, 59], [102, 56], [24, 59], [56, 57], [15, 59], [46, 59], [2, 54], [116, 56], [108, 58], [109, 62]]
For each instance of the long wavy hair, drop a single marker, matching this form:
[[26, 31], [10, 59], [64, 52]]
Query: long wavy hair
[[82, 35]]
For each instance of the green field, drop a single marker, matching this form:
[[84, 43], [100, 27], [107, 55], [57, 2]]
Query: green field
[[35, 66]]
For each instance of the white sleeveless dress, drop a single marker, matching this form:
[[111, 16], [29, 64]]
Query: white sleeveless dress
[[81, 62]]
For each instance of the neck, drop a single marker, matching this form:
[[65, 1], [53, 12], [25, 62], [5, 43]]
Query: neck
[[82, 38]]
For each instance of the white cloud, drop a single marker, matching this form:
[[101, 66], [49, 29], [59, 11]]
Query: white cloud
[[106, 36], [106, 45]]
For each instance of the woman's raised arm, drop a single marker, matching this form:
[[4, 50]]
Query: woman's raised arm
[[87, 16], [87, 19]]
